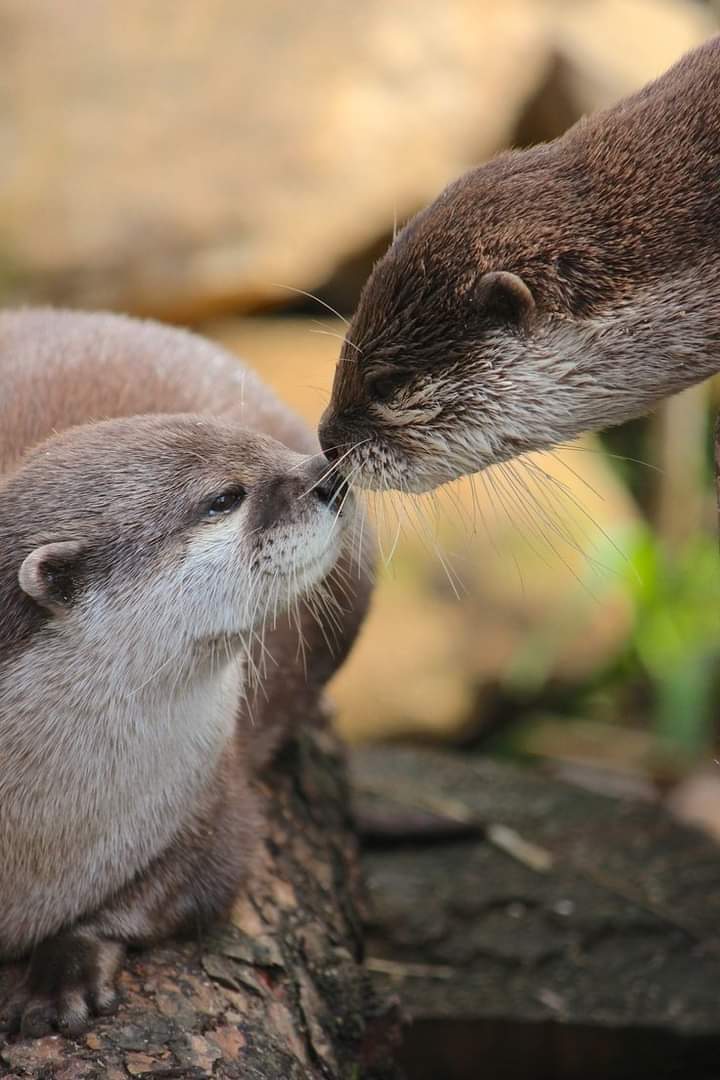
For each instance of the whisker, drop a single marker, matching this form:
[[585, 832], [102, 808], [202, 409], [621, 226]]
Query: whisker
[[570, 495], [311, 296], [568, 566], [333, 468], [340, 337], [602, 452]]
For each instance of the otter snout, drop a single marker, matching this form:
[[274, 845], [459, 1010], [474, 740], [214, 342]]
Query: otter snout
[[332, 440], [297, 491], [331, 449], [331, 487]]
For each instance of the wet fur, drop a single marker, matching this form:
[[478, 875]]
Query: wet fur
[[612, 229]]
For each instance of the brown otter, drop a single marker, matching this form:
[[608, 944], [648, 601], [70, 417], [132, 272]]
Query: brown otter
[[150, 527], [554, 290]]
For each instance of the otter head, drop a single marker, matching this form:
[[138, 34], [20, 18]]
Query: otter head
[[153, 537], [481, 335]]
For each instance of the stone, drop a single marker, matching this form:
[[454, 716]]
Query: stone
[[180, 159]]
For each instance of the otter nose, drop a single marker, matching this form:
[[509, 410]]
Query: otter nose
[[331, 439], [331, 487]]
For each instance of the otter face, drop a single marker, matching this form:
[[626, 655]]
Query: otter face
[[417, 406], [462, 351], [156, 535], [427, 387]]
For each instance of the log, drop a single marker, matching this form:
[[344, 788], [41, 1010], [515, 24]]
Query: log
[[280, 992], [533, 929]]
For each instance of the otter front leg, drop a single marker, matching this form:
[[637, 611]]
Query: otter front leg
[[70, 978]]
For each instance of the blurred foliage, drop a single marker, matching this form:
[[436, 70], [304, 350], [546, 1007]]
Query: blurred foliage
[[675, 642], [665, 679]]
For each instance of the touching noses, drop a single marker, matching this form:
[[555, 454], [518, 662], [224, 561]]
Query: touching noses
[[331, 486], [331, 444]]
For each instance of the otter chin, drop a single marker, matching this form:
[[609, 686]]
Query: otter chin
[[555, 290], [159, 510]]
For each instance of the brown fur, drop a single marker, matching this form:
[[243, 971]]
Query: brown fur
[[604, 285]]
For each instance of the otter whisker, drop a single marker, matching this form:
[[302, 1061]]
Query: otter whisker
[[340, 337], [266, 654], [475, 504], [319, 604], [558, 554], [302, 463], [334, 467], [344, 588], [582, 479], [603, 453], [421, 527], [361, 538], [533, 528], [393, 549], [346, 496], [311, 296], [553, 506], [491, 538], [451, 494], [536, 521], [522, 488], [570, 495]]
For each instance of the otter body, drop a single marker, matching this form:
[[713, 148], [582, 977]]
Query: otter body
[[151, 528], [553, 290]]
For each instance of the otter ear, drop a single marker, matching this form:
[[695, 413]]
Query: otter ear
[[49, 574], [506, 297]]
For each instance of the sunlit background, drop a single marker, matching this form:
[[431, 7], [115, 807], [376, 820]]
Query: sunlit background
[[207, 163]]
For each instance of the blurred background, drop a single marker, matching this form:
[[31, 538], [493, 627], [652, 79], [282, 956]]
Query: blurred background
[[209, 164]]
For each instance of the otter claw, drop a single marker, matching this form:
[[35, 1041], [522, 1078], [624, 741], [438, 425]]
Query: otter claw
[[69, 980], [38, 1019], [11, 1011]]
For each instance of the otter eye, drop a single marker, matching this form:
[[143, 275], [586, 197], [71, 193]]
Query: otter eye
[[224, 503], [382, 387]]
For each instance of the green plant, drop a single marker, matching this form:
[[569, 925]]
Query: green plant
[[675, 640]]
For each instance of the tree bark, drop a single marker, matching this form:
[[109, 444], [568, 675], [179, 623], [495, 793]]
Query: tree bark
[[280, 992]]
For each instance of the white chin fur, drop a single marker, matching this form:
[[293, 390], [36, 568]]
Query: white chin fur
[[234, 577], [383, 471], [309, 563]]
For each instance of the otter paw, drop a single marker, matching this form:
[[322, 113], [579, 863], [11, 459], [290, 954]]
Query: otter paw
[[69, 979]]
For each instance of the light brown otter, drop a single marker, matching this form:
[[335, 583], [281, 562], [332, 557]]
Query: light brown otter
[[141, 553], [553, 290]]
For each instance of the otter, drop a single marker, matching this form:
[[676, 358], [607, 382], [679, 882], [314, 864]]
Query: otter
[[551, 291], [159, 507]]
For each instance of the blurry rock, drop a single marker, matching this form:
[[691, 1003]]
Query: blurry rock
[[609, 48], [603, 50], [600, 756], [696, 800], [515, 577], [178, 158]]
